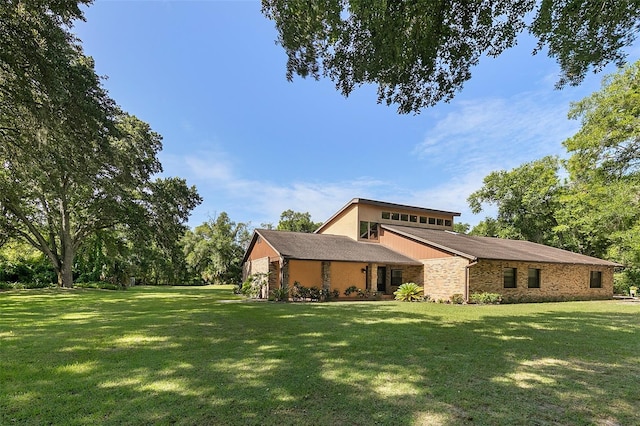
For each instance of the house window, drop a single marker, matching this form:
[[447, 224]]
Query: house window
[[509, 277], [396, 277], [413, 218], [447, 222], [432, 221], [534, 278], [368, 230], [595, 280], [395, 216], [440, 221], [386, 215], [404, 217], [423, 219]]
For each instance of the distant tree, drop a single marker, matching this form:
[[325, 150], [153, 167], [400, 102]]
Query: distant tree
[[421, 52], [296, 222], [214, 250], [527, 199], [461, 228]]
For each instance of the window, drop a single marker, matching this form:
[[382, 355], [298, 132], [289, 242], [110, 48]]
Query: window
[[396, 277], [509, 277], [447, 222], [440, 222], [404, 217], [368, 230], [395, 216], [534, 278], [595, 280], [423, 219], [413, 218], [386, 215], [432, 221]]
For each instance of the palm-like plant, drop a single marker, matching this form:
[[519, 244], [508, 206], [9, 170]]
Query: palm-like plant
[[409, 292]]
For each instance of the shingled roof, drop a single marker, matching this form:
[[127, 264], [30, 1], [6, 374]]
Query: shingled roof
[[303, 246], [474, 247]]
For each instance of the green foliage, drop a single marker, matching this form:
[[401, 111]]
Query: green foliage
[[409, 292], [253, 285], [457, 299], [526, 197], [420, 53], [297, 222], [350, 289], [214, 250], [281, 294], [485, 298]]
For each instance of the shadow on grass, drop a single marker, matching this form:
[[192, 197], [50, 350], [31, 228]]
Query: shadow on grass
[[179, 356]]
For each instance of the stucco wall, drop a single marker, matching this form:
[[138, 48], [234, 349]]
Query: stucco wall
[[307, 272], [346, 223], [557, 281], [346, 274], [444, 277]]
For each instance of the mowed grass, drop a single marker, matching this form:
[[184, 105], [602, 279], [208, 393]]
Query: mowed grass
[[155, 355]]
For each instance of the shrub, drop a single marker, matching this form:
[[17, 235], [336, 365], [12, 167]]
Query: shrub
[[253, 285], [409, 292], [457, 299], [281, 294], [486, 298], [349, 290]]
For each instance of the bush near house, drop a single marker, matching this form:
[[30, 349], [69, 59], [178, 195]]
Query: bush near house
[[409, 292]]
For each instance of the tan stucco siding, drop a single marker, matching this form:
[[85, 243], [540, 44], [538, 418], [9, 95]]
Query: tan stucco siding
[[557, 281], [261, 249], [346, 274], [307, 272], [444, 277], [346, 223], [410, 248]]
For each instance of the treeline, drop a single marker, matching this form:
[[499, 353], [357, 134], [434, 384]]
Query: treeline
[[589, 201], [211, 253]]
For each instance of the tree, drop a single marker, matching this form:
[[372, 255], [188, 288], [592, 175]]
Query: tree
[[214, 250], [421, 52], [296, 222], [59, 193], [601, 208], [527, 199], [461, 228]]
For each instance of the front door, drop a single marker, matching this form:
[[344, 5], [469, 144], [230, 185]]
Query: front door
[[382, 278]]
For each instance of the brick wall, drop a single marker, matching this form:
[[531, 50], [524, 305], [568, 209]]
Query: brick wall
[[557, 281], [444, 277]]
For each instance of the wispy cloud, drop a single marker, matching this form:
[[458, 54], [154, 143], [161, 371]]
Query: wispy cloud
[[496, 133]]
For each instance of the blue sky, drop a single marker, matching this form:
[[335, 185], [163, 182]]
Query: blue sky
[[208, 76]]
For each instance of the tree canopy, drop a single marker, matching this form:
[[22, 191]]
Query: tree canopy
[[297, 222], [72, 164], [421, 52]]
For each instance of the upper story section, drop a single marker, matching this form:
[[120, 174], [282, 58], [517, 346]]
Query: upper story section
[[360, 219]]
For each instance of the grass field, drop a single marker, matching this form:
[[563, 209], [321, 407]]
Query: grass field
[[155, 355]]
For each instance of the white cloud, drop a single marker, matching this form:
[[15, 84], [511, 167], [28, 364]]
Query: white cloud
[[495, 133]]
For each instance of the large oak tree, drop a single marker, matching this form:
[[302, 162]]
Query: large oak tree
[[421, 52]]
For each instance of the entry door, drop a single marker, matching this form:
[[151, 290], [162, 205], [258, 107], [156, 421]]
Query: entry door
[[382, 278]]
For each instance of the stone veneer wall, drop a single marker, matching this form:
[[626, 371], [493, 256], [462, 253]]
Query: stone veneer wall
[[557, 281], [444, 277]]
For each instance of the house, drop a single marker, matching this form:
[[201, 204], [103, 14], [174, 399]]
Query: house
[[378, 245]]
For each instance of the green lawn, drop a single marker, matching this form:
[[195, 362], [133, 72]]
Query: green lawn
[[153, 355]]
